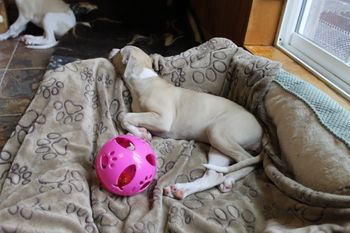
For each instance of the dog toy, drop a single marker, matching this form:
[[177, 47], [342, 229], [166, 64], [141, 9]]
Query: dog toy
[[126, 165]]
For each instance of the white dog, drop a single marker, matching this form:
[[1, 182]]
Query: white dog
[[54, 16], [178, 113]]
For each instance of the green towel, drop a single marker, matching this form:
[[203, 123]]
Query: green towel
[[333, 116]]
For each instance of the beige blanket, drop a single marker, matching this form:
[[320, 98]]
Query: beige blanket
[[47, 177]]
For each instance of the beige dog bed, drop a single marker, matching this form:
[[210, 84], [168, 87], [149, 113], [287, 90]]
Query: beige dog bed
[[48, 184]]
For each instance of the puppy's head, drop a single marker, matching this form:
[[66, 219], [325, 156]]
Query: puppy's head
[[130, 61]]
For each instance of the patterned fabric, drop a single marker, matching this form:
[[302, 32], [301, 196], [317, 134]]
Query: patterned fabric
[[330, 114], [47, 177]]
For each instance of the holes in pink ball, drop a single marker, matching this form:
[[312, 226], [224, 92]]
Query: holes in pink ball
[[126, 176], [151, 159], [111, 153], [104, 161], [126, 143], [145, 185]]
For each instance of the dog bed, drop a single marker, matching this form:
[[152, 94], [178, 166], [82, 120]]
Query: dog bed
[[47, 177]]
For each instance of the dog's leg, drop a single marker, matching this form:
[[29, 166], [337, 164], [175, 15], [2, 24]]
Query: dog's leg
[[230, 179], [133, 122], [49, 26], [16, 28], [53, 24], [228, 144], [135, 130], [210, 179]]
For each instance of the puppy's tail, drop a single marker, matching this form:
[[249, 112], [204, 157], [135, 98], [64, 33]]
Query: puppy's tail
[[236, 166], [44, 46]]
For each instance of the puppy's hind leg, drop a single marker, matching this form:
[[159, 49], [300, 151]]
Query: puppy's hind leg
[[225, 139], [210, 179], [54, 24], [228, 145], [230, 179], [45, 41]]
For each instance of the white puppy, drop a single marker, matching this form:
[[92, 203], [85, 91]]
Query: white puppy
[[173, 112], [54, 16]]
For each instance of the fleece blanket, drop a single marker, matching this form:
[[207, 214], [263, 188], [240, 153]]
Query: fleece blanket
[[48, 181]]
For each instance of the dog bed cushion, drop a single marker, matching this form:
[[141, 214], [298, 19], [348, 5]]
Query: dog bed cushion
[[47, 177]]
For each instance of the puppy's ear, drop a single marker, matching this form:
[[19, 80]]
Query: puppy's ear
[[118, 64], [113, 53], [126, 57]]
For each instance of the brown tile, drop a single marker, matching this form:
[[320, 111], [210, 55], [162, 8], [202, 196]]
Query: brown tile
[[6, 49], [10, 106], [7, 125], [30, 58], [1, 75], [17, 89], [20, 83]]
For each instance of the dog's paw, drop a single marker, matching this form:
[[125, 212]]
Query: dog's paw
[[157, 62], [174, 191], [121, 120], [113, 53], [227, 185], [146, 135], [32, 40], [27, 40]]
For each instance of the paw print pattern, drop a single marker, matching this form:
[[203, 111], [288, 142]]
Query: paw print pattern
[[234, 218], [19, 174], [71, 181], [27, 124], [99, 128], [210, 73], [105, 79], [180, 216], [84, 217], [87, 75], [178, 77], [141, 227], [68, 112], [5, 160], [89, 91], [27, 211], [50, 87], [52, 146], [91, 95], [165, 147], [113, 108], [108, 209], [127, 97]]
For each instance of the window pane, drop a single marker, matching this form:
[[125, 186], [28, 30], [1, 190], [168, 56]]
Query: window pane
[[327, 24]]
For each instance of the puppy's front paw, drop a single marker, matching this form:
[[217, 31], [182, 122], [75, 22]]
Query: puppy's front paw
[[157, 62], [122, 120], [146, 135], [113, 53]]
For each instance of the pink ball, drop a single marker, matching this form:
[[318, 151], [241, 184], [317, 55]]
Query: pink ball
[[126, 165]]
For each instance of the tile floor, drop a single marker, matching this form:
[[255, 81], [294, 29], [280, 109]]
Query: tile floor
[[21, 70]]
